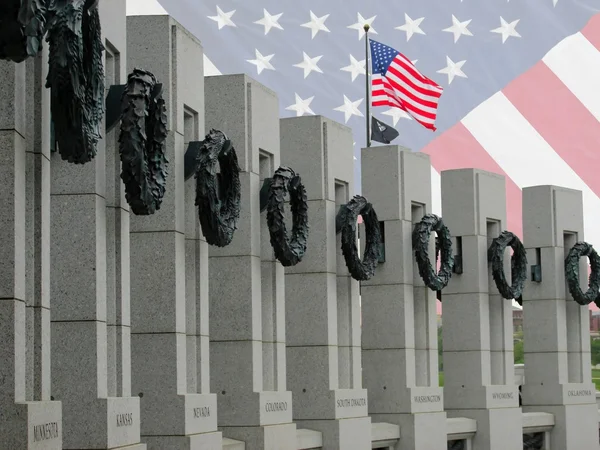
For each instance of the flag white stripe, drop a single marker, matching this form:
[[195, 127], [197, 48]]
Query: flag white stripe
[[394, 96], [414, 92], [411, 80], [576, 62], [525, 156]]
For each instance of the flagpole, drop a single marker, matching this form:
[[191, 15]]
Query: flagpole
[[367, 84]]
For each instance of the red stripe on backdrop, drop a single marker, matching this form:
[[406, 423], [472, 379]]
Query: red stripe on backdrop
[[561, 119], [592, 31], [456, 148]]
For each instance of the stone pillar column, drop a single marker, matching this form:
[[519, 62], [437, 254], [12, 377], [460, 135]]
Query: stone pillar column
[[322, 311], [246, 284], [399, 311], [477, 322], [557, 337], [29, 420], [89, 283], [176, 414]]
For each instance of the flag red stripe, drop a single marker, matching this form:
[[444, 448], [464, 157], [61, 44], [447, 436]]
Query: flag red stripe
[[389, 86], [592, 31], [423, 117], [420, 94], [406, 88], [408, 65], [456, 148], [561, 119]]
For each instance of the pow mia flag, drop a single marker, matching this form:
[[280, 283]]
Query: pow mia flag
[[381, 132]]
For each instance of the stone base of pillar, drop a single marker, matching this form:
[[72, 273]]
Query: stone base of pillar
[[423, 431], [575, 426], [268, 437], [109, 423], [202, 441], [33, 426], [342, 434], [498, 428]]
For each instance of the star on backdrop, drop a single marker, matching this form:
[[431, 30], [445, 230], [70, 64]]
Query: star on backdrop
[[223, 18], [507, 29], [269, 21], [316, 24], [262, 62]]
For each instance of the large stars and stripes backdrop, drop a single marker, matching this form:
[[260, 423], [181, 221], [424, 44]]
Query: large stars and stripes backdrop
[[521, 78]]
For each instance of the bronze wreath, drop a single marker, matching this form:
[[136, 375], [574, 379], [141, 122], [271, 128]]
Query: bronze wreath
[[365, 269], [420, 241], [22, 28], [572, 273], [218, 218], [289, 251], [518, 265], [76, 78], [142, 143]]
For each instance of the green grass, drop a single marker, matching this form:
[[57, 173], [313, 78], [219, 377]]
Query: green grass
[[596, 378]]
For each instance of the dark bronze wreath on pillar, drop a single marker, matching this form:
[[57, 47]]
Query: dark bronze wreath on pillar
[[420, 241], [142, 143], [518, 265], [76, 78], [22, 28], [365, 269], [218, 195], [288, 250], [579, 250]]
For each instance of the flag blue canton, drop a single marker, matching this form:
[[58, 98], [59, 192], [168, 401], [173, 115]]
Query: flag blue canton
[[311, 53], [382, 56]]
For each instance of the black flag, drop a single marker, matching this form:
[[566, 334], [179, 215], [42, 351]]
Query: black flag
[[381, 132]]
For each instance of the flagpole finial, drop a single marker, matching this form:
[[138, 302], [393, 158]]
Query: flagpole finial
[[367, 27]]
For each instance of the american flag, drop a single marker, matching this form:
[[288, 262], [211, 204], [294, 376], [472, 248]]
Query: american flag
[[521, 78], [396, 82]]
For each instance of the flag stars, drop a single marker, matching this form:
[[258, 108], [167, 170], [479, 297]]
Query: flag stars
[[453, 69], [223, 18], [316, 24], [301, 106], [507, 29], [309, 64], [262, 62], [360, 24], [350, 108], [458, 28], [269, 21], [355, 68], [411, 26]]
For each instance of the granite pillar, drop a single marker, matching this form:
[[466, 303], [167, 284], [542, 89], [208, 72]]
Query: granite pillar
[[556, 328], [322, 302], [247, 296], [399, 339], [477, 329], [29, 419], [168, 258], [90, 283]]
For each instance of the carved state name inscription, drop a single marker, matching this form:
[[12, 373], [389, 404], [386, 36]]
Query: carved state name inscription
[[351, 402], [427, 398], [503, 395], [276, 406], [201, 412], [579, 393], [45, 432], [124, 420]]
